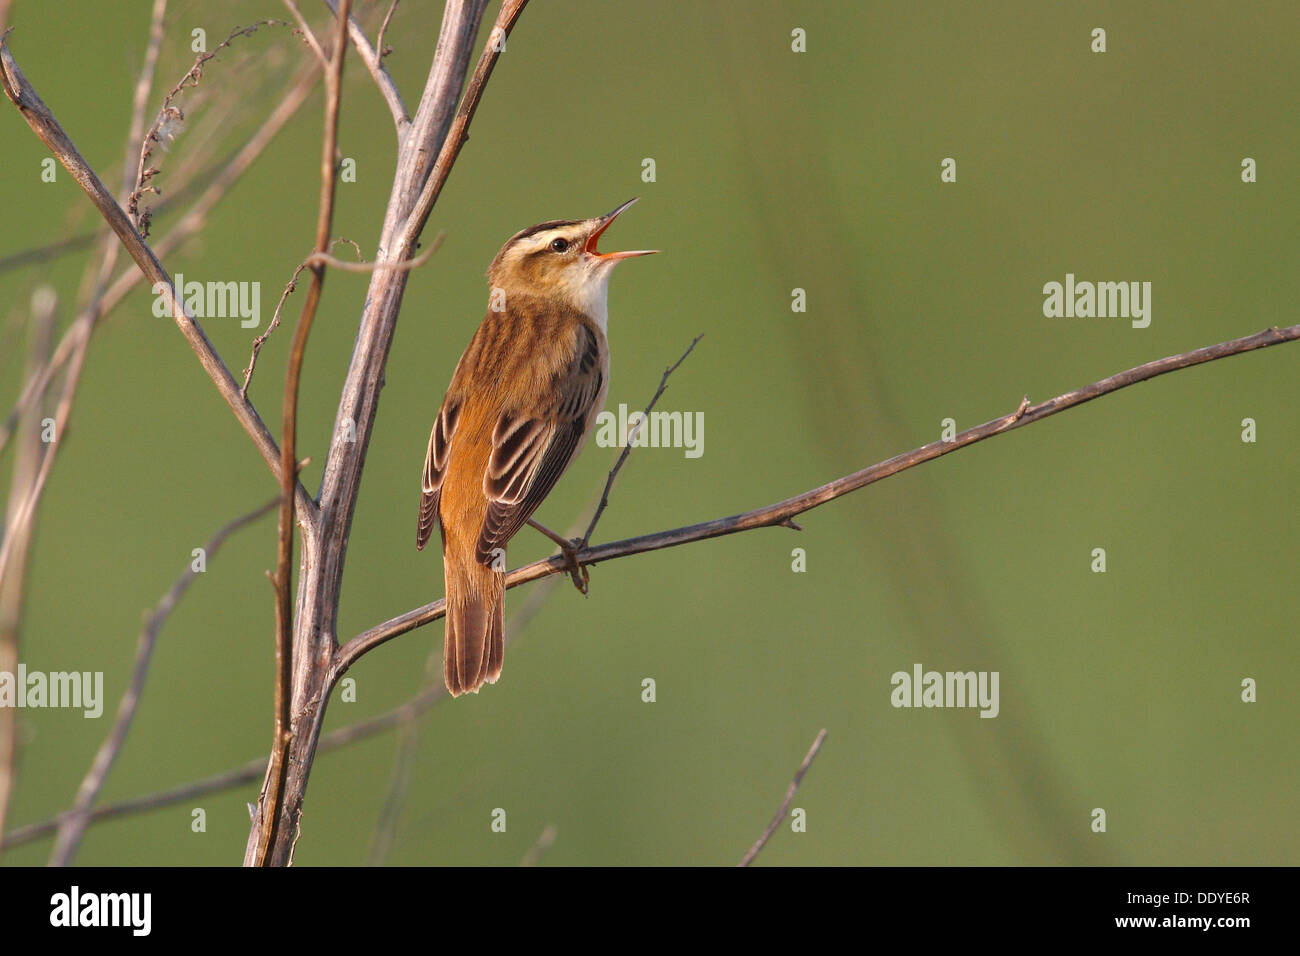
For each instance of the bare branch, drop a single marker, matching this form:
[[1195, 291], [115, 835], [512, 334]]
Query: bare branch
[[782, 512], [322, 258], [274, 324], [72, 825], [383, 28], [781, 811]]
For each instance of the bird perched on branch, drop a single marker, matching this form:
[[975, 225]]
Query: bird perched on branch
[[520, 405]]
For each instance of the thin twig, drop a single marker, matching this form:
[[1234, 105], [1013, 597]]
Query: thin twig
[[627, 442], [73, 824], [403, 265], [169, 116], [373, 58], [781, 811], [304, 30], [274, 324], [538, 849], [381, 841], [782, 512], [383, 28]]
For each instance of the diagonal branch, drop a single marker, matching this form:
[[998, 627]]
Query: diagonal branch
[[784, 808], [782, 513]]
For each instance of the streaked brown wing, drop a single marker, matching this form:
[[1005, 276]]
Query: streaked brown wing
[[530, 454], [435, 467]]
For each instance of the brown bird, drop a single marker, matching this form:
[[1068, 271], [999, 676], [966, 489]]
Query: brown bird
[[520, 405]]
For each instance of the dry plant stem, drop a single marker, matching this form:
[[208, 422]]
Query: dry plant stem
[[72, 825], [274, 324], [269, 817], [381, 841], [169, 113], [538, 850], [47, 128], [782, 810], [782, 512], [321, 258], [383, 27], [627, 448], [27, 463]]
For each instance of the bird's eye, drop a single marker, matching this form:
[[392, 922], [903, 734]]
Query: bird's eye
[[559, 245]]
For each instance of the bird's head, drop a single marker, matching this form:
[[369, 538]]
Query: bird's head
[[559, 259]]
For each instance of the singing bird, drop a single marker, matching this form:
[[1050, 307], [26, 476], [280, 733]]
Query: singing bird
[[520, 405]]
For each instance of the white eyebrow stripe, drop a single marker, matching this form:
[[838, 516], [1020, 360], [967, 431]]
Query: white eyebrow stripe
[[540, 240]]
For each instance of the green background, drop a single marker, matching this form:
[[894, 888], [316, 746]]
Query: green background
[[775, 170]]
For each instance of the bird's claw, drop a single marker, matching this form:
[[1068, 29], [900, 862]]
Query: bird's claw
[[577, 571]]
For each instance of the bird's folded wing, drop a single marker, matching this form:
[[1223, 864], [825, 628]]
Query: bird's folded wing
[[435, 467]]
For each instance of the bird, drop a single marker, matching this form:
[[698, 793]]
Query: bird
[[521, 403]]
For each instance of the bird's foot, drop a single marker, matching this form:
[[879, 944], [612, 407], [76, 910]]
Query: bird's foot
[[569, 549], [577, 570]]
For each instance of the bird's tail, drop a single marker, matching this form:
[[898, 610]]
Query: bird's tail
[[474, 648]]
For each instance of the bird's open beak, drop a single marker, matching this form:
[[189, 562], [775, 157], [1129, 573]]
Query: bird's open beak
[[590, 246]]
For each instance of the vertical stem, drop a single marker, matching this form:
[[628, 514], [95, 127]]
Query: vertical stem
[[272, 800]]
